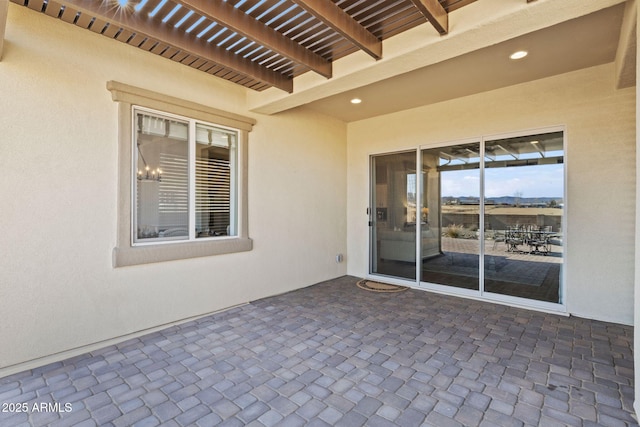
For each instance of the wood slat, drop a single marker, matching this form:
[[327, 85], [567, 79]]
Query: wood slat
[[292, 15], [180, 56], [237, 78], [350, 6], [435, 13], [293, 28], [190, 60], [175, 18], [149, 44], [225, 73], [228, 40], [338, 50], [258, 11], [189, 22], [451, 5], [314, 37], [159, 48], [153, 28], [284, 42], [381, 26], [392, 31], [343, 23], [111, 31], [244, 47], [170, 52], [215, 69], [275, 12], [69, 15], [124, 35], [362, 10], [84, 20], [230, 17], [198, 63], [98, 26], [322, 38], [388, 10], [53, 9], [151, 6], [36, 5], [379, 21], [408, 19], [137, 40], [256, 54], [304, 32], [244, 6]]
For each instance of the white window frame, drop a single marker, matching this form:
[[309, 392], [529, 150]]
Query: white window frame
[[126, 253], [191, 173]]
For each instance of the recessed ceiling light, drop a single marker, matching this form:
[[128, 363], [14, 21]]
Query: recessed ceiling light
[[356, 101], [519, 54]]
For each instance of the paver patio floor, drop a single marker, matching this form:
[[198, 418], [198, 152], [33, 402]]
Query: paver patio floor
[[335, 355]]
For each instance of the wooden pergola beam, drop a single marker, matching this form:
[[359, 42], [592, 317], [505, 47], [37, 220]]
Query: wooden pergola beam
[[435, 13], [236, 20], [145, 25], [343, 23], [4, 11]]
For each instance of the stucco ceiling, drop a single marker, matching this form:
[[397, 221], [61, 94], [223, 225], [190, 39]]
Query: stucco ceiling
[[579, 43]]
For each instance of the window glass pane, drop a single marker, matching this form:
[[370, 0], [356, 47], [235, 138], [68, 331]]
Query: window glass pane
[[162, 184], [450, 215], [524, 199], [215, 181], [393, 250]]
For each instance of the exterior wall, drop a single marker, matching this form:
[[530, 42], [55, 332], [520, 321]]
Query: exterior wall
[[636, 329], [600, 165], [58, 154]]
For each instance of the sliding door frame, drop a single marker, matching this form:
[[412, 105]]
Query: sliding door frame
[[480, 294]]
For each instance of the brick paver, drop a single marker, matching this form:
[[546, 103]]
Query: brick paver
[[333, 354]]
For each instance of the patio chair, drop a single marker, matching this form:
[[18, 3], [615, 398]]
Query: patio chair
[[498, 236], [538, 243], [514, 237]]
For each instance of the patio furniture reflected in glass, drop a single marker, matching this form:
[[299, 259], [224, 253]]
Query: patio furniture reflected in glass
[[514, 238], [529, 239], [538, 241]]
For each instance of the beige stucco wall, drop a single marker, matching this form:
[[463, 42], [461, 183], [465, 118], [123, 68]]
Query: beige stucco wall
[[600, 164], [636, 329], [58, 154]]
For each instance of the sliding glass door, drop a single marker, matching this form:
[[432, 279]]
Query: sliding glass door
[[482, 217]]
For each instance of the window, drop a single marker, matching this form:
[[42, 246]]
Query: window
[[182, 178], [185, 185]]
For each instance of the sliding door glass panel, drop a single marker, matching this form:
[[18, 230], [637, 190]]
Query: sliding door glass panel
[[450, 212], [523, 204], [394, 215]]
